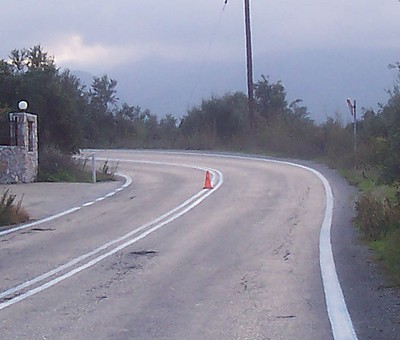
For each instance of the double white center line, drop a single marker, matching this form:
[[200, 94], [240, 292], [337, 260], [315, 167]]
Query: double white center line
[[76, 265]]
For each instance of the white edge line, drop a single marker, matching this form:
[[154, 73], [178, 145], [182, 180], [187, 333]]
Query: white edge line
[[342, 326], [339, 316]]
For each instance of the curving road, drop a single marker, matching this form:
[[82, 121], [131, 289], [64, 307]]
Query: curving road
[[162, 258]]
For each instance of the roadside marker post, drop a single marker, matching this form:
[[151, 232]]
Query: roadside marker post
[[94, 179]]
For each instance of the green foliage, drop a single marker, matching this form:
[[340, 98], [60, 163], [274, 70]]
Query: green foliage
[[103, 93], [56, 96], [11, 211], [378, 219], [216, 122], [338, 144], [290, 136], [388, 250], [4, 126], [375, 218], [270, 98], [391, 116], [73, 117], [55, 166]]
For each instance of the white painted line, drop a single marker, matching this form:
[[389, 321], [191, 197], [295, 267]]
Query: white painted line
[[99, 249], [128, 182], [339, 316], [342, 326], [170, 216], [33, 224]]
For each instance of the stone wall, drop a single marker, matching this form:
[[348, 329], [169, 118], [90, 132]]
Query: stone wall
[[19, 162]]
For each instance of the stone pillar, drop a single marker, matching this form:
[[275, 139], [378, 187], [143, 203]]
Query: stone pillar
[[23, 135]]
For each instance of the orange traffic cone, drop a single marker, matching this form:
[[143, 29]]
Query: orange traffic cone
[[207, 183]]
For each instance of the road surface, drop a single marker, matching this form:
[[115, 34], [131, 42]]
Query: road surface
[[161, 258]]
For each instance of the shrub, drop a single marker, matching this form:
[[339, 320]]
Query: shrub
[[11, 212], [375, 218], [388, 250], [55, 166], [370, 217]]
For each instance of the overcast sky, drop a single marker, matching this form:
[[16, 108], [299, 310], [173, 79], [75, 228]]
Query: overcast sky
[[168, 55]]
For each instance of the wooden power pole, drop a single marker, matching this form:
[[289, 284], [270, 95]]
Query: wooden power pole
[[250, 85]]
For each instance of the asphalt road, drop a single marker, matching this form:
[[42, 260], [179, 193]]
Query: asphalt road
[[162, 258]]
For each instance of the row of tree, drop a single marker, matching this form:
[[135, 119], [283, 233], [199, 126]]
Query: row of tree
[[73, 116]]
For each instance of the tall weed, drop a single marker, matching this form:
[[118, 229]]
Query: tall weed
[[55, 166], [11, 212], [376, 218], [388, 250]]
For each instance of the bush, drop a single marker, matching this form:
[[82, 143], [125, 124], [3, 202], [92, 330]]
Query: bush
[[54, 166], [370, 217], [376, 218], [11, 212], [4, 130], [388, 250]]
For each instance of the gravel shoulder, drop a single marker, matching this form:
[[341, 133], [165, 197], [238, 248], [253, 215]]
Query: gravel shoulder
[[372, 299]]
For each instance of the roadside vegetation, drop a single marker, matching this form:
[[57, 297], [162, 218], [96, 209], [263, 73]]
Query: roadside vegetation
[[11, 211], [56, 166], [73, 115]]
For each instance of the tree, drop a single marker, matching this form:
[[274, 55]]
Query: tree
[[4, 126], [298, 111], [37, 59], [18, 60], [103, 94], [270, 99], [218, 118], [391, 116]]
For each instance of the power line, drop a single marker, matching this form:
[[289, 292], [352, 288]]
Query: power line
[[206, 54]]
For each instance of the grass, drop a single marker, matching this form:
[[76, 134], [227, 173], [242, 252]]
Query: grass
[[54, 166], [378, 218], [368, 182], [387, 250], [11, 212]]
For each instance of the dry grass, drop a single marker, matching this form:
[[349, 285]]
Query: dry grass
[[11, 212]]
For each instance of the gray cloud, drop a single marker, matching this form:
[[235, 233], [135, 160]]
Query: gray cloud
[[321, 50]]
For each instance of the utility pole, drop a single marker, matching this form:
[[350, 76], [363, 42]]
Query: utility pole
[[250, 85]]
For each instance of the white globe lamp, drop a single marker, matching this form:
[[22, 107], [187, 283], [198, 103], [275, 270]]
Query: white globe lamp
[[23, 105]]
